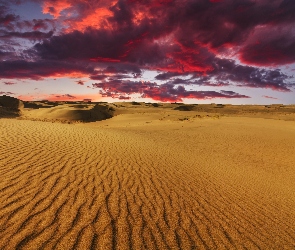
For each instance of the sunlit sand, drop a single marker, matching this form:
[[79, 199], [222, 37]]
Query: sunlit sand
[[211, 177]]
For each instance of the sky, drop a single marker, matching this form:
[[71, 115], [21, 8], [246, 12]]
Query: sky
[[191, 51]]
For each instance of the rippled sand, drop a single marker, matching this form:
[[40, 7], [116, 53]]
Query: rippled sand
[[140, 182]]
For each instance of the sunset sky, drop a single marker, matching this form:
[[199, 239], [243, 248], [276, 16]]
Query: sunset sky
[[192, 51]]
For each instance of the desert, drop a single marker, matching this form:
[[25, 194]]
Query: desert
[[147, 124], [132, 175]]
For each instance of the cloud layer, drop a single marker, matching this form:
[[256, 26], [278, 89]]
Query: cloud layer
[[199, 43], [165, 92]]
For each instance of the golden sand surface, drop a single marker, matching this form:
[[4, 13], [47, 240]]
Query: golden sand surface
[[149, 178]]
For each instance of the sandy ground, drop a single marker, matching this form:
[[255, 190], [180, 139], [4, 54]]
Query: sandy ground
[[149, 178]]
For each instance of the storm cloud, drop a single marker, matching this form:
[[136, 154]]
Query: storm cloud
[[214, 44]]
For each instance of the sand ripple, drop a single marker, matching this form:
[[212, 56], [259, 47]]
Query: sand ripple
[[76, 187]]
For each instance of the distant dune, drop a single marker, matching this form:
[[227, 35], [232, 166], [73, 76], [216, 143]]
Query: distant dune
[[73, 112], [143, 176], [10, 106]]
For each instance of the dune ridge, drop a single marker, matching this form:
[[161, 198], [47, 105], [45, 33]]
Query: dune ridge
[[67, 113], [202, 184]]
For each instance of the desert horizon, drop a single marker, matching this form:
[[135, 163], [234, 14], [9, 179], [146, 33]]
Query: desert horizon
[[146, 176], [147, 124]]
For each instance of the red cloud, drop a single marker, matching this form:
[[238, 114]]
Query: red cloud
[[142, 32], [55, 7], [190, 58], [181, 39], [79, 14]]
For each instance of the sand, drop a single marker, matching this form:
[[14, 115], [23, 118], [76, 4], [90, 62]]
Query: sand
[[149, 178]]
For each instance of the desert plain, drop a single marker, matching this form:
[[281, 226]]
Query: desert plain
[[135, 175]]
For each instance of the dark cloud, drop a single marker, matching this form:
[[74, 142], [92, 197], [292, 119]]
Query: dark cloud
[[33, 35], [167, 92], [124, 97], [123, 68], [12, 29], [124, 87], [214, 24], [114, 70], [36, 24], [65, 96], [5, 17], [277, 49], [6, 93], [100, 45], [117, 71], [9, 83], [214, 83], [8, 54], [189, 42], [226, 72], [118, 77], [22, 69], [42, 24], [103, 46], [249, 76], [269, 97], [80, 82], [166, 76], [144, 41], [98, 77], [164, 92], [230, 22]]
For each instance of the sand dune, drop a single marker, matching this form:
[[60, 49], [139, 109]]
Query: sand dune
[[10, 107], [67, 112], [148, 179]]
